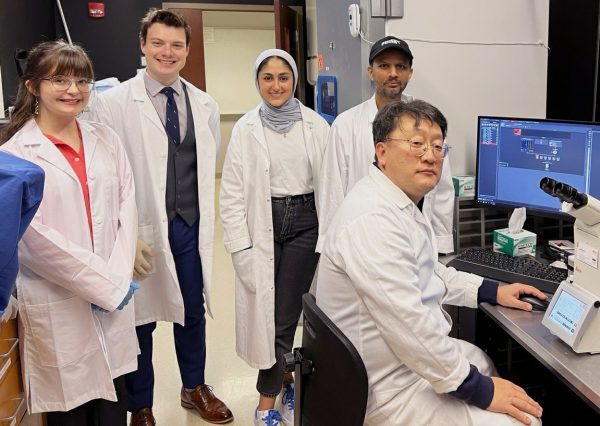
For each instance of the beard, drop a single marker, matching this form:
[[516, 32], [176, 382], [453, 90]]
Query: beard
[[394, 94]]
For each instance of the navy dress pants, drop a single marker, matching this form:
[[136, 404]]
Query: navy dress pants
[[190, 339]]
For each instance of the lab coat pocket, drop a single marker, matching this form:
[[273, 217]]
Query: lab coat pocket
[[244, 269], [63, 332]]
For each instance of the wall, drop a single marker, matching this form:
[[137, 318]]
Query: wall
[[229, 63], [573, 80], [232, 41], [112, 42], [465, 81], [345, 57], [340, 51], [17, 19]]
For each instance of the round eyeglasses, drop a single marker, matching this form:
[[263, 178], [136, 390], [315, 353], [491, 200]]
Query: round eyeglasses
[[62, 83], [419, 148]]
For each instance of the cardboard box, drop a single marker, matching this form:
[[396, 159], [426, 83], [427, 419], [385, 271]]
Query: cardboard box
[[464, 186], [517, 244]]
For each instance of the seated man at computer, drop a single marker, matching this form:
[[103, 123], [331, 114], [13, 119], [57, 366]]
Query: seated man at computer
[[380, 282]]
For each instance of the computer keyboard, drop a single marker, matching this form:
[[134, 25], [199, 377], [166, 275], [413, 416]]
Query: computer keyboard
[[501, 267]]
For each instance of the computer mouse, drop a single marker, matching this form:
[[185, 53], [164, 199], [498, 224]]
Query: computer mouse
[[536, 304]]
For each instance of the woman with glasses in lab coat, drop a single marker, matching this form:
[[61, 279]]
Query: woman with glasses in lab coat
[[268, 192], [76, 258]]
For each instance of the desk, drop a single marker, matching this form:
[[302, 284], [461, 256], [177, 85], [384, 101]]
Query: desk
[[580, 372]]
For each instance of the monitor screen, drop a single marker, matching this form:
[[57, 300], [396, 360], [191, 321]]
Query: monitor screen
[[514, 154], [568, 312]]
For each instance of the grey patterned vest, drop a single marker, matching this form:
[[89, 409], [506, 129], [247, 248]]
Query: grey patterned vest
[[182, 174]]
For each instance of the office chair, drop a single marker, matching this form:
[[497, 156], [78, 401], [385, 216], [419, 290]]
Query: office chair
[[331, 384]]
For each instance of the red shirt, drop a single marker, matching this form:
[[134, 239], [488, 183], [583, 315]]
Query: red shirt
[[77, 162]]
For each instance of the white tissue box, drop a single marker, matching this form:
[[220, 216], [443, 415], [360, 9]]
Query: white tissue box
[[464, 186], [517, 244]]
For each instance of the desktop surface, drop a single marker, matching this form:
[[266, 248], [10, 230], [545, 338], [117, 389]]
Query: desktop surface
[[580, 372]]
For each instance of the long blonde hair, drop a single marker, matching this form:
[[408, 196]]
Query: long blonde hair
[[47, 59]]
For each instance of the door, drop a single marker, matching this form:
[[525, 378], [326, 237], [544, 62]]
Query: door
[[194, 70], [289, 36]]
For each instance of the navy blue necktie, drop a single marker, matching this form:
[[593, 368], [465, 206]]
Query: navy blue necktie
[[172, 123]]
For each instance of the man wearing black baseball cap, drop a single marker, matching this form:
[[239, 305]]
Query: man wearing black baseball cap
[[350, 151], [389, 43]]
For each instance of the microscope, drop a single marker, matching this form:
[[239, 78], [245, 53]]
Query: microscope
[[574, 312]]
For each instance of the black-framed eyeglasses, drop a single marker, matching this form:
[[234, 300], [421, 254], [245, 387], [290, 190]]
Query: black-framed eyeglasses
[[419, 148], [62, 83]]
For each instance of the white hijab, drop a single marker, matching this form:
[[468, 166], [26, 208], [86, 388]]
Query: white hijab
[[279, 119]]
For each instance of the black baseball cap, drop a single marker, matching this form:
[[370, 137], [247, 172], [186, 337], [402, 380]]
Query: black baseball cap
[[387, 43]]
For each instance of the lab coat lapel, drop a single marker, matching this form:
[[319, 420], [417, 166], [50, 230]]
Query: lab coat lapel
[[90, 141], [257, 129], [308, 126], [47, 151], [140, 97]]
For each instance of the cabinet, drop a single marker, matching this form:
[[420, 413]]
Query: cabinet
[[474, 225], [12, 401]]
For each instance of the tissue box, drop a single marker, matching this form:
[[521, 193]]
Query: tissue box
[[517, 244], [464, 186]]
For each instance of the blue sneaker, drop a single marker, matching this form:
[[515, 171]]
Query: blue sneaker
[[267, 418], [287, 405]]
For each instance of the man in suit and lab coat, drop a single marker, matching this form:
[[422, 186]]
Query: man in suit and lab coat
[[171, 133], [380, 282], [349, 151]]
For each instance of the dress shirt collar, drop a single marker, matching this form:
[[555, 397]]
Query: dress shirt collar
[[154, 87]]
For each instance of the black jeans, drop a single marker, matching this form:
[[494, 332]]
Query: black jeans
[[98, 412], [295, 231]]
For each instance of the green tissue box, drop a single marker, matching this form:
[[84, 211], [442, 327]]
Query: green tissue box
[[517, 244], [464, 186]]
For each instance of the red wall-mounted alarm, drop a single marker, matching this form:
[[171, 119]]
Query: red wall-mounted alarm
[[96, 10]]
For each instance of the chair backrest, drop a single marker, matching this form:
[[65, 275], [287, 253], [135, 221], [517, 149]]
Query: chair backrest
[[335, 393]]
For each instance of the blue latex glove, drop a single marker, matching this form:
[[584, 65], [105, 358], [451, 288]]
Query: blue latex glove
[[132, 288]]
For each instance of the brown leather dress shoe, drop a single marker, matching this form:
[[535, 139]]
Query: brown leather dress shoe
[[204, 401], [143, 417]]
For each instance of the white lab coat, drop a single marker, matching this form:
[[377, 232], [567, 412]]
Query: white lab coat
[[245, 204], [129, 111], [71, 354], [381, 283], [350, 152]]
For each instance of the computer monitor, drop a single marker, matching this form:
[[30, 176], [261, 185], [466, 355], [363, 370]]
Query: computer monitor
[[514, 154]]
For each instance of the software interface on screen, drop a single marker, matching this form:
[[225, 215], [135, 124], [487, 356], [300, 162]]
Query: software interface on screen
[[513, 155]]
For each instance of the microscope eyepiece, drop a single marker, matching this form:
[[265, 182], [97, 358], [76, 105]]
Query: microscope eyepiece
[[563, 192], [547, 184]]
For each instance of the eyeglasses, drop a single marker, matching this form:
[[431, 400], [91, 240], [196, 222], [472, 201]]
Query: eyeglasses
[[419, 148], [60, 82]]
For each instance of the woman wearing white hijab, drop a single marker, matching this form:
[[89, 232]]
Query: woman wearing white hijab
[[268, 192]]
